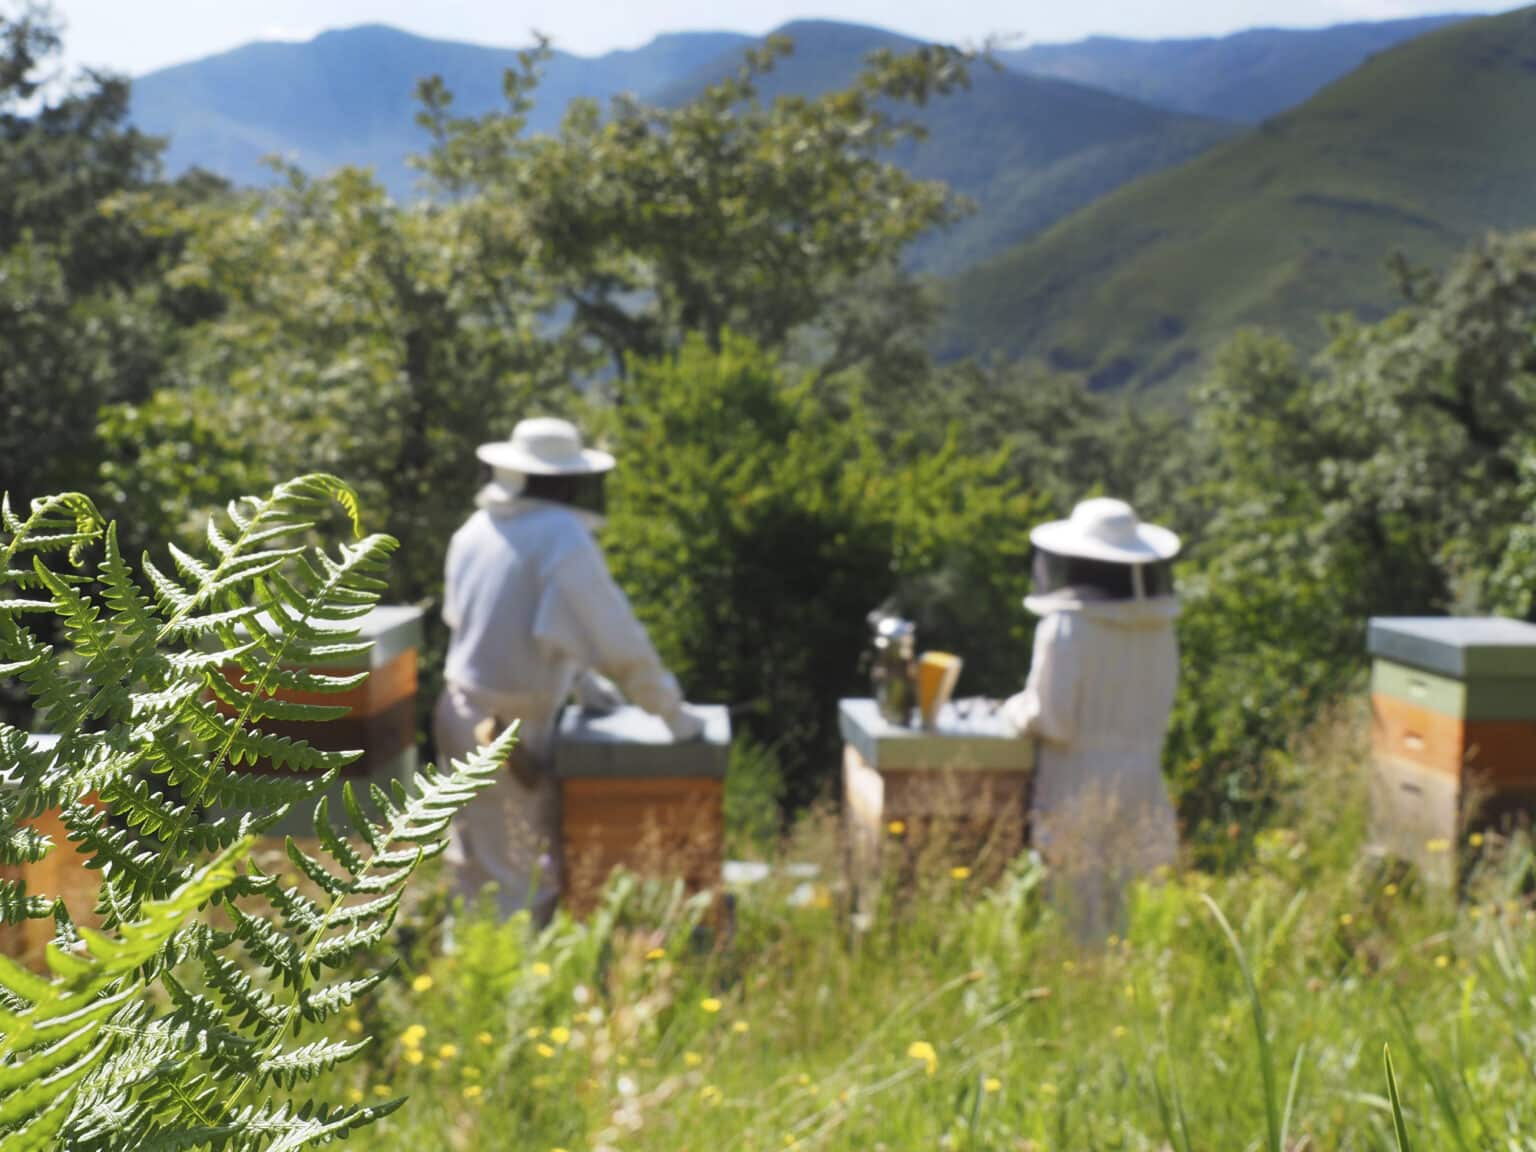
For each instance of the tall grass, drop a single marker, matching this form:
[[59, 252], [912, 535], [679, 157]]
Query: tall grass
[[967, 1018]]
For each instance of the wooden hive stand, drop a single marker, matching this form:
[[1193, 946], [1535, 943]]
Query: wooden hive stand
[[1453, 742], [633, 797], [957, 796]]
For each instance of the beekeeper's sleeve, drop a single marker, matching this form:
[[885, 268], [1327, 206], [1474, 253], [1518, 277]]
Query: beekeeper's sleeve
[[1047, 708], [586, 617]]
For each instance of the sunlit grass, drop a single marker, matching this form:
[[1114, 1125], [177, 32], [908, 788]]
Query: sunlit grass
[[1240, 1011]]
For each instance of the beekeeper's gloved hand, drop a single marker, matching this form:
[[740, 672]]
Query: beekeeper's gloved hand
[[597, 693], [685, 724]]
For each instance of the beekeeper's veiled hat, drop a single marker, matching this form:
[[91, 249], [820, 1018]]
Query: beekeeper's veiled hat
[[1105, 529], [544, 447]]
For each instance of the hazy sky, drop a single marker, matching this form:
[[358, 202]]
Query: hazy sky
[[137, 36]]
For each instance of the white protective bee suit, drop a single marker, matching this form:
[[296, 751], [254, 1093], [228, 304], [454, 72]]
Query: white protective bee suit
[[533, 611], [1097, 701]]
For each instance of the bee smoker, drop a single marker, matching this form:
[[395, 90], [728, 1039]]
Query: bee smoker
[[892, 673]]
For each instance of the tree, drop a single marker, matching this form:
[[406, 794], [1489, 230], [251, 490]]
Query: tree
[[80, 308], [724, 212], [756, 528]]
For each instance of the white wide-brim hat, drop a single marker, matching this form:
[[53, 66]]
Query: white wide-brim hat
[[545, 447], [1105, 529]]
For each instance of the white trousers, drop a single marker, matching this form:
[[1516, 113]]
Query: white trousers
[[509, 835]]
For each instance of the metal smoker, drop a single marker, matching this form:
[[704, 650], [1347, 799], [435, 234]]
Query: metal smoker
[[892, 672]]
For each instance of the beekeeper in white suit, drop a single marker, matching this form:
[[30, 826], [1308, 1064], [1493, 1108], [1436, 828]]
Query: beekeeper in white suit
[[535, 616], [1100, 690]]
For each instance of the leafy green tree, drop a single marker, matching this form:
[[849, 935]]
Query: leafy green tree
[[349, 334], [1392, 479], [84, 319], [727, 211], [756, 528]]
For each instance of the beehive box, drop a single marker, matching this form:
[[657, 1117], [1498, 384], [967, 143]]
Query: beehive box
[[382, 723], [632, 796], [956, 796], [1453, 704], [61, 873]]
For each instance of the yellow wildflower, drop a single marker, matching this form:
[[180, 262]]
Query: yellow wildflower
[[422, 983], [960, 873], [355, 1095], [897, 827], [1048, 1088], [560, 1035], [710, 1004], [413, 1056], [1476, 839], [741, 1027], [1130, 991], [354, 1026], [656, 954], [1118, 1031], [540, 969], [709, 1094], [922, 1050], [486, 1038], [435, 1065], [692, 1059], [1437, 845], [413, 1035], [992, 1084], [1346, 919], [382, 1090], [545, 1051], [1069, 965], [470, 1072], [1390, 890], [1442, 961], [534, 1032], [448, 1051], [471, 1091], [803, 1080]]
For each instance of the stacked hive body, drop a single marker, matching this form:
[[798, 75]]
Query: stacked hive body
[[632, 797], [957, 796], [382, 720], [1453, 702]]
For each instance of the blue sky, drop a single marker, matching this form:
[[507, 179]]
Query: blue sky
[[137, 36]]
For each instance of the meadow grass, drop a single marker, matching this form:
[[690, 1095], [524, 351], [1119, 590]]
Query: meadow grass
[[1244, 1010]]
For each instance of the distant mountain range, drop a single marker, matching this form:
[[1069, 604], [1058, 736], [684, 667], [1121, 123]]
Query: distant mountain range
[[348, 97], [1421, 150], [1138, 201], [1246, 77]]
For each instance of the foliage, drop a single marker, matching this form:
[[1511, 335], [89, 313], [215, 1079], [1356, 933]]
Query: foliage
[[721, 212], [178, 1010], [78, 323], [1391, 480], [756, 530]]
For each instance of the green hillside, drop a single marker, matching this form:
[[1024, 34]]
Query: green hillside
[[1421, 150]]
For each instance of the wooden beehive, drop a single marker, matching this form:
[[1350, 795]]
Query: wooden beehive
[[382, 721], [61, 873], [957, 796], [632, 797], [1453, 704]]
